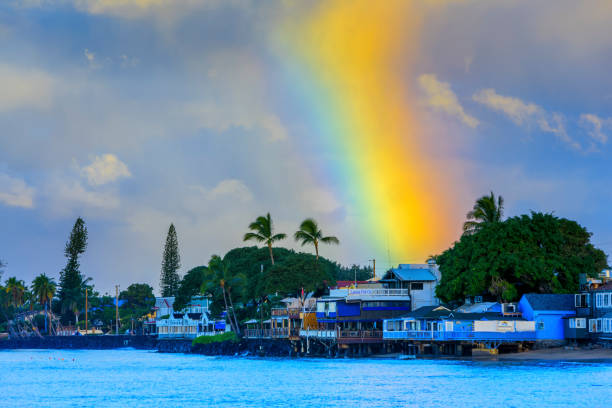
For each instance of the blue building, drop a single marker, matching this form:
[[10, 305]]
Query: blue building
[[548, 311]]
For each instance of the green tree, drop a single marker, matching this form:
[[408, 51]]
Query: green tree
[[43, 288], [530, 253], [309, 233], [231, 286], [171, 263], [190, 286], [15, 288], [139, 301], [487, 209], [263, 231], [295, 272], [72, 283]]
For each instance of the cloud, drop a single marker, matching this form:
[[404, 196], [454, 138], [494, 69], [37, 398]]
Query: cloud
[[526, 114], [596, 126], [440, 97], [231, 188], [131, 9], [105, 169], [15, 192], [24, 88], [70, 195], [517, 110]]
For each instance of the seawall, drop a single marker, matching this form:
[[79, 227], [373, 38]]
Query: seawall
[[270, 348], [81, 342]]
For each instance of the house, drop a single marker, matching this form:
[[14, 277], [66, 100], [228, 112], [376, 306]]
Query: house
[[190, 322], [600, 321], [419, 279], [548, 311]]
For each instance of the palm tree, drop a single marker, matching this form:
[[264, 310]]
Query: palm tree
[[15, 288], [264, 232], [309, 233], [486, 210], [220, 277], [44, 288]]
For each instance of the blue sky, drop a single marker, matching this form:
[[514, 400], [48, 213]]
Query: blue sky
[[134, 114]]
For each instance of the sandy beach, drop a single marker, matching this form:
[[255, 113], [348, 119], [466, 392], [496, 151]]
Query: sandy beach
[[560, 354]]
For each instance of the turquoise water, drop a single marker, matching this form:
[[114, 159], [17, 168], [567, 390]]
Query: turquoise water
[[134, 378]]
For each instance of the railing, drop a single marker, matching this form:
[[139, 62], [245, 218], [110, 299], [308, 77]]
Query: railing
[[377, 292], [458, 335], [360, 336], [322, 334], [269, 333], [279, 312]]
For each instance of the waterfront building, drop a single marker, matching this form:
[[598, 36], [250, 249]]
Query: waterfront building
[[420, 280], [192, 321], [600, 321], [439, 324], [549, 311], [355, 315]]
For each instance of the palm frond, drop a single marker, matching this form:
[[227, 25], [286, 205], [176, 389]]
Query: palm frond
[[251, 236], [330, 240]]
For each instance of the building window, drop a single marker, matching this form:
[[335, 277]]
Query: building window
[[592, 325], [540, 325], [598, 300], [581, 323], [599, 325], [416, 286], [572, 323], [606, 300], [582, 300]]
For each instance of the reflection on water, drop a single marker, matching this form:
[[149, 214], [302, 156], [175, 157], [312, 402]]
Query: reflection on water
[[134, 378]]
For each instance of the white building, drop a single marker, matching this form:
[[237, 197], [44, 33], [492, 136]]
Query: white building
[[193, 321], [421, 281]]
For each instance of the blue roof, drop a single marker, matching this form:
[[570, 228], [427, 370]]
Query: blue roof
[[405, 273], [545, 301]]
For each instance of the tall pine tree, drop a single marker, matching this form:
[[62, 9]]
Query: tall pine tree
[[71, 281], [171, 263]]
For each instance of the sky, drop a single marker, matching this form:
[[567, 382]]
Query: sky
[[384, 121]]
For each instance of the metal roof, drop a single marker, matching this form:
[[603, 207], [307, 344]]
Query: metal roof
[[413, 274], [441, 312], [545, 301]]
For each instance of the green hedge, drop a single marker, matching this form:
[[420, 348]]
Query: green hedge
[[217, 338]]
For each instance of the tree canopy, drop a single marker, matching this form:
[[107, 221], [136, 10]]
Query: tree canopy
[[530, 253], [139, 300], [190, 286]]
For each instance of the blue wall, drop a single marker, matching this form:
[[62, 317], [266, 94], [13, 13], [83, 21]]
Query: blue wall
[[552, 320], [348, 309]]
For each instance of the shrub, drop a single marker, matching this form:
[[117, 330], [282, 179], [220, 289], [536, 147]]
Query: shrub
[[217, 338]]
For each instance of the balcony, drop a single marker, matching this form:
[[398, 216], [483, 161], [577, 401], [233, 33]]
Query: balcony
[[278, 333], [366, 293], [460, 335], [360, 336], [279, 312], [321, 334]]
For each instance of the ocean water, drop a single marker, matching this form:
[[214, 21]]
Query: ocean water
[[135, 378]]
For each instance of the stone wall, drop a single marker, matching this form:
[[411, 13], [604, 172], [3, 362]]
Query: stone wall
[[80, 342]]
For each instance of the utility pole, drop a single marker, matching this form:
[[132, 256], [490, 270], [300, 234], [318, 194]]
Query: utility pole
[[373, 268], [116, 309], [86, 311]]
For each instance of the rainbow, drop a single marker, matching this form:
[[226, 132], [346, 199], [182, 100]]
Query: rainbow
[[349, 64]]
